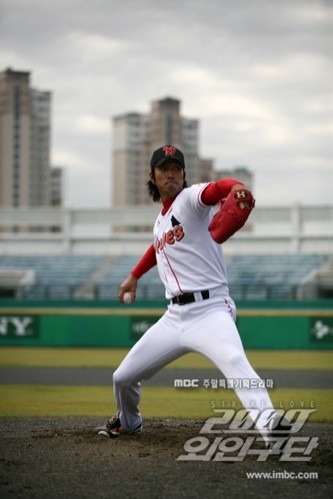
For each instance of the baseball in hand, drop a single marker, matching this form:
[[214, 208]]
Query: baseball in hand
[[127, 297]]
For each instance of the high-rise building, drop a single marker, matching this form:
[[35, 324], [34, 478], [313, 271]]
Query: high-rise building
[[136, 136], [40, 118], [56, 186], [130, 159], [15, 133], [25, 117]]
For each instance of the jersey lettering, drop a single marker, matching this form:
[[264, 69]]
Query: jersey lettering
[[171, 237]]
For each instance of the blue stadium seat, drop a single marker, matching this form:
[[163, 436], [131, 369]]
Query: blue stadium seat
[[249, 276]]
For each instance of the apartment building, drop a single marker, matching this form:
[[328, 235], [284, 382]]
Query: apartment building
[[136, 136], [25, 132]]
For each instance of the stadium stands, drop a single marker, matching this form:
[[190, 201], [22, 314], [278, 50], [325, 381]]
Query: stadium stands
[[76, 276], [55, 276], [269, 276], [150, 284]]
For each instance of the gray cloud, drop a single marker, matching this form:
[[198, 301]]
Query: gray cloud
[[257, 74]]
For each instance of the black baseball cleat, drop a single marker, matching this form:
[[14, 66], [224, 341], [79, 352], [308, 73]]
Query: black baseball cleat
[[113, 428], [279, 432]]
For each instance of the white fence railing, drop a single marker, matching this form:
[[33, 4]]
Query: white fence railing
[[127, 230]]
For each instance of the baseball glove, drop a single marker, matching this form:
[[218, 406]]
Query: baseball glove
[[232, 215]]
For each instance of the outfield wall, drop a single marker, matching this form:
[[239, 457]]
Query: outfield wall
[[262, 325]]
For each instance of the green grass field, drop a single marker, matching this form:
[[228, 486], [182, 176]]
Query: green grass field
[[60, 401], [111, 357]]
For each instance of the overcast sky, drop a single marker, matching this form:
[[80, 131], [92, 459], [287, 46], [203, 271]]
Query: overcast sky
[[257, 74]]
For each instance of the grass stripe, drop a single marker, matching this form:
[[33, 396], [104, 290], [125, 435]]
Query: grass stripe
[[62, 401]]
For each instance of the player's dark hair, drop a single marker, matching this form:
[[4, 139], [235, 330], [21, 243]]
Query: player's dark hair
[[154, 192]]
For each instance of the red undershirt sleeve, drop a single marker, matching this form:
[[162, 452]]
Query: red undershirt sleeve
[[147, 262], [215, 191]]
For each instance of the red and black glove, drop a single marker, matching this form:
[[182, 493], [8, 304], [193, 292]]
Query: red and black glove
[[232, 215]]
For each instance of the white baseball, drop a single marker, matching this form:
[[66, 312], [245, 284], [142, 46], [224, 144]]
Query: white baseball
[[127, 297]]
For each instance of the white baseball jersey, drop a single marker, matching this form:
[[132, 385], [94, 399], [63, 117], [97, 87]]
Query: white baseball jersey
[[188, 259]]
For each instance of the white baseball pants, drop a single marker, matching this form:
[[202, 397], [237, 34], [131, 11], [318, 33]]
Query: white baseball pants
[[206, 327]]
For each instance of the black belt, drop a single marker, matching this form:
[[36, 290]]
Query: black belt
[[189, 297]]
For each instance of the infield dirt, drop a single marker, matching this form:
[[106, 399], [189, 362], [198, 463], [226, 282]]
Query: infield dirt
[[65, 458]]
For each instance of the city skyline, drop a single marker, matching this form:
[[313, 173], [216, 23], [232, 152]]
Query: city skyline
[[256, 75]]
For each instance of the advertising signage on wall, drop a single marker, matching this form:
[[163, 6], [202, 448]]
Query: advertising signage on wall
[[19, 326], [321, 329], [140, 324]]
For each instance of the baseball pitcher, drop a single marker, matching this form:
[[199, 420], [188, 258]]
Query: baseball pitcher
[[201, 315]]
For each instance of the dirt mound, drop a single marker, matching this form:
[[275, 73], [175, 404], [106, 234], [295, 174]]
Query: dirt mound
[[65, 458]]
